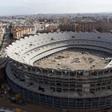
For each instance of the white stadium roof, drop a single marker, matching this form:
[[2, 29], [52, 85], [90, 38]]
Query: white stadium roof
[[33, 48]]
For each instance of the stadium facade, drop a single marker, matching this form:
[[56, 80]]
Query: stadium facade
[[61, 88]]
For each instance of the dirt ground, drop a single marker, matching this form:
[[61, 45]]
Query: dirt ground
[[74, 60]]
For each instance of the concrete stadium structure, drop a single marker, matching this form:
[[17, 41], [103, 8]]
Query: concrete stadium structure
[[83, 90]]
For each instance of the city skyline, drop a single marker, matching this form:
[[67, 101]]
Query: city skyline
[[18, 7]]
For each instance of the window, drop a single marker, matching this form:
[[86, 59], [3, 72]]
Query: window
[[52, 39], [58, 84], [41, 88], [59, 90], [73, 36], [52, 88], [99, 37]]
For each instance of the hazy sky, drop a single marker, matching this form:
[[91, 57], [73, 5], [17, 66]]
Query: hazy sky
[[12, 7]]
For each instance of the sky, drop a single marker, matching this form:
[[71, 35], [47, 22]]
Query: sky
[[19, 7]]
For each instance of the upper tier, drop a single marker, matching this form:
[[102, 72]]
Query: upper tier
[[33, 48]]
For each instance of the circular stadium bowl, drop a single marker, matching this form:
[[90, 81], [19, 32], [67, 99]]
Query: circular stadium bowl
[[82, 89]]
